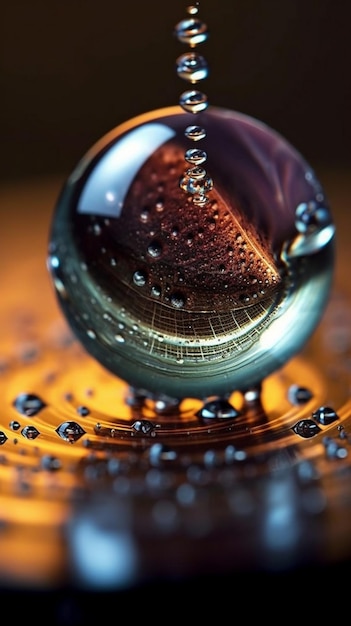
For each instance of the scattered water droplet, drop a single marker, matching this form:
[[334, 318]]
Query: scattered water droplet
[[333, 449], [83, 411], [178, 300], [299, 395], [306, 428], [218, 409], [70, 431], [14, 425], [325, 415], [30, 432], [139, 278], [160, 452], [50, 463], [28, 404], [155, 249], [311, 216], [143, 426], [3, 438]]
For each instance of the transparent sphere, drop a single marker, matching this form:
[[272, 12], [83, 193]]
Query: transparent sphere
[[184, 299]]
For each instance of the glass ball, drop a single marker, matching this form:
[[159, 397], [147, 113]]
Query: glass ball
[[183, 298]]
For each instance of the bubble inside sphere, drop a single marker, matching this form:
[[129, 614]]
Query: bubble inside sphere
[[185, 299]]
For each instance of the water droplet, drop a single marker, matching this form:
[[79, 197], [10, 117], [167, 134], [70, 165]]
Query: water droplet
[[30, 432], [193, 101], [70, 431], [197, 187], [14, 425], [139, 278], [193, 9], [154, 249], [218, 409], [306, 428], [3, 438], [119, 338], [197, 157], [192, 67], [195, 133], [333, 449], [191, 31], [160, 452], [28, 404], [50, 463], [299, 395], [143, 426], [83, 411], [311, 216], [178, 300], [325, 415]]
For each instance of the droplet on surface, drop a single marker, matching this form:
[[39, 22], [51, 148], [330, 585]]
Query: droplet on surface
[[143, 426], [218, 409], [306, 428], [30, 432], [299, 395], [28, 404], [51, 463], [70, 431], [3, 438], [325, 415]]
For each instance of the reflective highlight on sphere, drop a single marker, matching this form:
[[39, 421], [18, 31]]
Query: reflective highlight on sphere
[[185, 299]]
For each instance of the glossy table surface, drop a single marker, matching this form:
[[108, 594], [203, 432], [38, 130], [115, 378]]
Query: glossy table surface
[[49, 488]]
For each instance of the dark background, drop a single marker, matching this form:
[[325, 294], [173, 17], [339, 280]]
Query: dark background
[[71, 71]]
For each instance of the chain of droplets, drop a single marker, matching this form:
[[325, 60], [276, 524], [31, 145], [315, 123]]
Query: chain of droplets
[[193, 67]]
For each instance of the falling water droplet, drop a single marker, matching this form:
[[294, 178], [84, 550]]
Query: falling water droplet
[[196, 157], [191, 31], [195, 133], [193, 101], [192, 67]]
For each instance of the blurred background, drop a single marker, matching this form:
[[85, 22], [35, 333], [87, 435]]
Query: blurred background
[[71, 71]]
